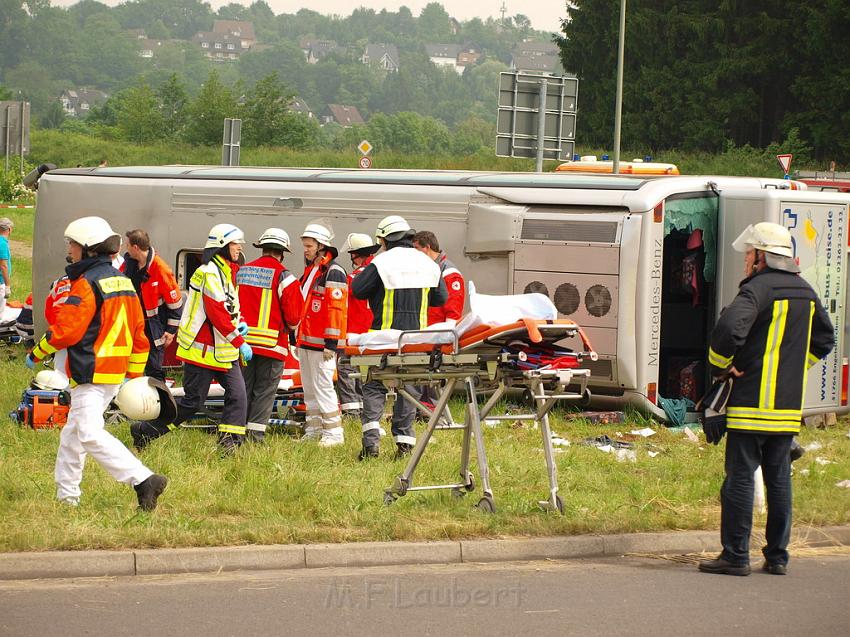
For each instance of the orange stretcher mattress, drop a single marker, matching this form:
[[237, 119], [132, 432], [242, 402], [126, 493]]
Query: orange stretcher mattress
[[532, 330]]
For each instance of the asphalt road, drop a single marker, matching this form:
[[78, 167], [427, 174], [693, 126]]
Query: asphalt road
[[626, 596]]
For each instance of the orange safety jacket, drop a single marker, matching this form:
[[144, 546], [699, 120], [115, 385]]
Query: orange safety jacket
[[453, 307], [271, 305], [158, 292], [359, 313], [59, 291], [100, 324], [325, 290]]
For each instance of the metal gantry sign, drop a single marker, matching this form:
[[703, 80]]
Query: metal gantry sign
[[231, 141], [14, 131], [536, 107]]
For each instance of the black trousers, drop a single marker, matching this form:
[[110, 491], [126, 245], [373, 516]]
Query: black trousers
[[745, 452], [153, 367], [196, 386]]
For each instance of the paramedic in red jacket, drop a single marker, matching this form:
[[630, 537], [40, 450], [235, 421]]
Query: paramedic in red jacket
[[361, 248], [102, 327], [271, 304], [158, 293], [321, 333], [426, 242]]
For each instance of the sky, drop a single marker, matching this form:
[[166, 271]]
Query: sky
[[545, 15]]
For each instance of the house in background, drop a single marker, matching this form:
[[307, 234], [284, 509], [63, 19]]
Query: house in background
[[298, 105], [456, 56], [240, 29], [345, 116], [383, 55], [219, 47], [314, 50], [78, 102]]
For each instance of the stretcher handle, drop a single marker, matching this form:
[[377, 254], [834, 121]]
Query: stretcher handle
[[446, 331]]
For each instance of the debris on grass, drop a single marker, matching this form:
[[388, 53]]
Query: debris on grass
[[646, 432], [822, 461], [844, 484], [813, 446]]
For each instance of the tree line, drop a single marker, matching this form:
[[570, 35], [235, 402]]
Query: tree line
[[704, 75]]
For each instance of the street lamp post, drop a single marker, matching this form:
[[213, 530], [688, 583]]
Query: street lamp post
[[618, 113]]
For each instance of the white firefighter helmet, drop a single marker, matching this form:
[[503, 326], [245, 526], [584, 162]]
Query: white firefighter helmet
[[357, 242], [222, 234], [393, 228], [90, 231], [273, 238], [321, 232], [50, 379], [767, 237], [146, 398]]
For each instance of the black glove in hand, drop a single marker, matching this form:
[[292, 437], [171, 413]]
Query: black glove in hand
[[714, 428]]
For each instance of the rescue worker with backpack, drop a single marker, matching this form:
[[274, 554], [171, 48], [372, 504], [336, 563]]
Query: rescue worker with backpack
[[400, 283], [361, 248], [102, 327], [158, 293], [271, 304], [210, 342], [321, 332], [764, 341]]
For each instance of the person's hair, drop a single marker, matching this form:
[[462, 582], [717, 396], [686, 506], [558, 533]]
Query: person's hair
[[109, 246], [275, 252], [139, 238], [427, 239]]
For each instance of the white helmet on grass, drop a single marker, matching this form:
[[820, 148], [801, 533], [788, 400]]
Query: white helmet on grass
[[146, 398]]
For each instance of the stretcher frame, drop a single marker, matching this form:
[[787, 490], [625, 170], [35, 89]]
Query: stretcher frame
[[478, 362]]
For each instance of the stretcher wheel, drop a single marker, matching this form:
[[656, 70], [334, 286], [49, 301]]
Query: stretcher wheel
[[486, 504], [559, 504], [546, 505], [389, 498], [458, 493]]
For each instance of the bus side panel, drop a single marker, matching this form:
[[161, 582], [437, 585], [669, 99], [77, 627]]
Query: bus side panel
[[819, 234], [627, 361]]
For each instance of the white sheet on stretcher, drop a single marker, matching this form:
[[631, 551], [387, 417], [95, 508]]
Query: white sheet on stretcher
[[10, 315], [485, 309]]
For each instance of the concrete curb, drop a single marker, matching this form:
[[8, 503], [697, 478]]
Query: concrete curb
[[65, 564]]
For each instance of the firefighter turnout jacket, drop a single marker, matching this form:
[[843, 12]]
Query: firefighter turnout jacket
[[452, 309], [159, 294], [325, 290], [400, 285], [100, 324], [207, 334], [773, 331], [359, 314], [271, 304]]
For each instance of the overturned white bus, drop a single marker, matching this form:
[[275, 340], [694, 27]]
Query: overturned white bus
[[642, 263]]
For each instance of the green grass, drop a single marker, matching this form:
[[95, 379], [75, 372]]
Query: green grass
[[291, 492]]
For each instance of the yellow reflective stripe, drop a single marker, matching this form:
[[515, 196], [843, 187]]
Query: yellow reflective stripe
[[770, 359], [260, 340], [718, 360], [138, 357], [778, 427], [232, 429], [40, 351], [100, 378], [423, 309], [136, 368], [387, 316], [812, 360], [755, 412], [171, 426], [265, 309], [262, 332]]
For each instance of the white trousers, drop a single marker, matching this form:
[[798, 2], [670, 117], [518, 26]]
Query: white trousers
[[317, 378], [83, 435]]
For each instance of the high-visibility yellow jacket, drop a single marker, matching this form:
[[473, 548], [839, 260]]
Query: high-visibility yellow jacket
[[207, 333], [773, 331]]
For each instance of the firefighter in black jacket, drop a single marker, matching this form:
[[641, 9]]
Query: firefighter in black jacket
[[765, 340], [400, 284]]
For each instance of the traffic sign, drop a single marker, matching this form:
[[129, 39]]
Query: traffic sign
[[785, 162], [365, 162], [365, 148]]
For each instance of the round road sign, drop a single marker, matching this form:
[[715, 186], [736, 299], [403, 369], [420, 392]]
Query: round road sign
[[365, 162]]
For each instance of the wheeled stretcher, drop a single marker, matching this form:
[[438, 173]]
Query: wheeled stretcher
[[520, 355]]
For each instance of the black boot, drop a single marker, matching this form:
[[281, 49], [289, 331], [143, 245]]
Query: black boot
[[723, 567], [144, 432], [228, 443], [403, 450], [797, 450], [372, 451], [149, 491]]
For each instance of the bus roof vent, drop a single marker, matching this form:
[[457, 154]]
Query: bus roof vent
[[569, 230]]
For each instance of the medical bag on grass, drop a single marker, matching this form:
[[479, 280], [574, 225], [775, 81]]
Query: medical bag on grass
[[43, 408]]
